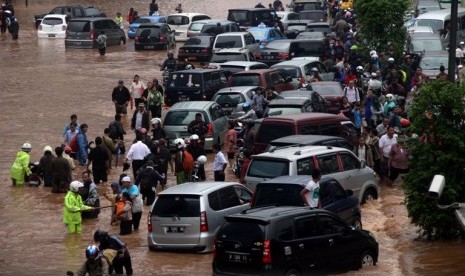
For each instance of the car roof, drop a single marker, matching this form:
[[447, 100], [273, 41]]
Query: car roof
[[305, 139], [423, 35], [62, 16], [189, 14], [261, 28], [94, 18], [255, 71], [242, 63], [284, 12], [231, 50], [196, 70], [325, 83], [233, 33], [297, 93], [252, 9], [301, 180], [295, 21], [438, 14], [436, 54], [301, 116], [293, 62], [321, 24], [237, 89], [295, 152], [267, 214], [148, 25], [192, 105], [196, 188], [291, 101]]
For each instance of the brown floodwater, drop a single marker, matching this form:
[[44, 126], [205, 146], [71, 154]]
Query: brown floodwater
[[42, 84]]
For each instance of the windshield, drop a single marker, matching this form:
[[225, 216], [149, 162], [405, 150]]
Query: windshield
[[233, 99], [52, 21], [264, 168], [79, 26], [142, 20], [178, 20], [257, 34], [146, 32], [232, 68], [196, 26], [433, 63], [315, 16], [297, 27], [245, 80], [427, 45], [307, 48], [435, 24], [221, 58], [278, 195], [232, 41], [199, 40], [177, 206], [278, 45], [281, 110], [323, 29], [290, 71], [327, 90], [273, 131]]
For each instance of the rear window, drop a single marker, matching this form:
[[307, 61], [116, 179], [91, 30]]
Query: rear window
[[92, 12], [52, 21], [277, 195], [196, 26], [297, 27], [178, 20], [270, 132], [142, 20], [183, 80], [229, 41], [307, 48], [327, 90], [258, 33], [238, 16], [232, 68], [224, 57], [146, 32], [211, 28], [282, 110], [278, 45], [290, 71], [180, 117], [235, 230], [79, 26], [315, 16], [267, 168], [177, 205], [246, 80], [232, 99], [197, 41]]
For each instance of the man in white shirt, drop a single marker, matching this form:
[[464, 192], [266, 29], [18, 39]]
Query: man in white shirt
[[385, 143], [311, 193], [351, 92], [219, 164], [137, 153], [382, 128]]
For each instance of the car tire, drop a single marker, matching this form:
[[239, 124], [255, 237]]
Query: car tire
[[357, 223], [369, 194], [367, 258], [292, 272]]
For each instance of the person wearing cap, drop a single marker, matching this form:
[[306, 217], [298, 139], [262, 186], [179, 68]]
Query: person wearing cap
[[140, 118], [136, 153], [66, 155], [61, 172], [73, 208], [121, 98], [45, 165], [136, 200], [20, 168]]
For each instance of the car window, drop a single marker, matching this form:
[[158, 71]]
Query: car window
[[329, 225], [79, 26], [238, 16], [142, 20], [214, 201], [180, 117], [244, 195], [284, 230], [92, 12], [255, 231], [229, 41], [103, 24], [224, 57], [293, 16], [349, 128], [308, 108], [200, 17], [275, 194], [162, 20], [349, 162], [246, 80], [307, 48], [177, 205], [273, 131], [178, 20], [146, 32], [265, 16], [262, 168], [179, 80], [77, 12], [305, 166], [233, 99], [283, 110], [200, 40], [57, 10], [276, 78], [278, 45], [330, 192], [330, 129], [259, 66], [228, 197], [52, 21], [309, 129], [328, 163], [306, 227], [216, 112]]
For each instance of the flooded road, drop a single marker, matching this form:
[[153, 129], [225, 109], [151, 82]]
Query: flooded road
[[42, 84]]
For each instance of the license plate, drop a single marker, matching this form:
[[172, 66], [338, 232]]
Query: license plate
[[149, 47], [51, 35], [177, 34], [269, 57], [192, 58], [227, 109], [238, 258], [175, 229], [183, 98]]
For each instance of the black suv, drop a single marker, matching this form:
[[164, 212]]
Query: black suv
[[289, 241], [247, 18], [76, 11], [285, 191]]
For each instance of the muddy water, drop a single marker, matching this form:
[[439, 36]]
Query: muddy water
[[42, 83]]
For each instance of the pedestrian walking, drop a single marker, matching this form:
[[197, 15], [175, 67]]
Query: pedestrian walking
[[196, 149], [219, 163], [98, 158], [385, 144], [123, 213], [137, 152], [20, 168], [90, 196], [102, 43], [121, 98], [136, 199], [73, 208], [61, 172], [182, 175], [198, 126], [109, 145], [140, 118], [155, 100], [137, 89], [164, 158], [83, 145], [230, 143], [14, 28], [148, 180], [73, 120], [153, 8], [178, 8], [119, 20], [311, 193], [45, 165], [66, 155]]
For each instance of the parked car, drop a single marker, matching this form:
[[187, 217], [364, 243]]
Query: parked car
[[231, 98], [83, 32], [294, 27], [309, 140], [252, 17], [52, 26], [431, 62], [261, 77], [417, 43], [290, 241], [308, 5], [339, 163], [197, 48], [287, 16], [144, 20], [181, 114], [285, 191], [77, 11], [157, 36], [305, 123], [331, 91], [286, 49], [315, 15], [187, 216], [239, 40], [227, 26], [311, 35], [231, 67], [230, 54], [179, 22], [263, 35], [193, 85], [318, 101], [279, 107], [318, 27], [300, 70]]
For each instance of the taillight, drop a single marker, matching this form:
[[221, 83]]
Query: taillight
[[40, 27], [63, 28], [214, 246], [266, 259], [149, 222], [162, 38], [92, 34], [203, 222], [181, 51], [210, 130], [283, 55], [258, 55], [204, 51], [302, 80]]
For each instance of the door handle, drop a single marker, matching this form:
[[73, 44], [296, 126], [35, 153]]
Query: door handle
[[331, 242], [301, 246]]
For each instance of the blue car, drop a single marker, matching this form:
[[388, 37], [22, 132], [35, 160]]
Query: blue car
[[144, 20], [265, 34]]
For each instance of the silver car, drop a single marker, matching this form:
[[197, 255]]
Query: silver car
[[187, 216], [178, 118]]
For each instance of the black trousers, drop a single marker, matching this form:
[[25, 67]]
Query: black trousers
[[102, 51], [219, 176], [136, 219], [155, 110], [136, 165], [121, 261], [125, 227]]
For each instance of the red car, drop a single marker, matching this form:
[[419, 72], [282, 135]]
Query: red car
[[263, 78]]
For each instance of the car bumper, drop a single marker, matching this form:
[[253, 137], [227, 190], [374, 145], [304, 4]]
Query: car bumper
[[195, 57], [74, 43], [204, 245], [151, 46], [51, 35]]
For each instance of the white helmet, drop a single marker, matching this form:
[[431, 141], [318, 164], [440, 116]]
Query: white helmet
[[48, 148], [372, 52], [359, 68], [156, 121], [390, 97], [194, 137], [26, 147], [75, 185], [391, 59], [179, 142], [202, 159]]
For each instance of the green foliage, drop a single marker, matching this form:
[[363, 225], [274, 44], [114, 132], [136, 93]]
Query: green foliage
[[438, 112], [381, 21]]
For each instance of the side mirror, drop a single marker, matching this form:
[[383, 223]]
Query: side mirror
[[437, 186]]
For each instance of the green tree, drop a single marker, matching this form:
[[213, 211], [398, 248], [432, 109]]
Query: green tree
[[438, 116], [380, 22]]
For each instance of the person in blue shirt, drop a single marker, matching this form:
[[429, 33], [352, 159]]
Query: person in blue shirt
[[73, 120], [136, 199], [83, 145]]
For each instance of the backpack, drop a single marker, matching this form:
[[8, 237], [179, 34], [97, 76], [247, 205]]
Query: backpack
[[187, 161], [73, 144], [113, 131]]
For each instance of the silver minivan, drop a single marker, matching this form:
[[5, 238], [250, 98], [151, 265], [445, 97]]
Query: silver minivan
[[83, 32], [187, 216]]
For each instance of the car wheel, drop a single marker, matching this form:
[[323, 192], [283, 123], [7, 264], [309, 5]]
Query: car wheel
[[357, 224], [292, 272], [367, 259], [370, 194]]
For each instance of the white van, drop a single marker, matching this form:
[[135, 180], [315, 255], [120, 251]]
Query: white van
[[236, 40], [179, 22], [439, 21]]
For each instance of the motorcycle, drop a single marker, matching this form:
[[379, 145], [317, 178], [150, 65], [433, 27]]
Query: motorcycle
[[236, 168], [35, 178]]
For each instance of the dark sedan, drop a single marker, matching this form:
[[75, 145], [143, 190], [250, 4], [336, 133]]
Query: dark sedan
[[198, 48], [331, 91], [154, 37]]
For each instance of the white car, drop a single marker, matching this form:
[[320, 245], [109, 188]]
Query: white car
[[179, 22], [53, 26], [239, 66], [238, 40]]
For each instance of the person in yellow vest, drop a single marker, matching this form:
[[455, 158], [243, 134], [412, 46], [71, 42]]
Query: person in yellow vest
[[20, 167], [73, 208]]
